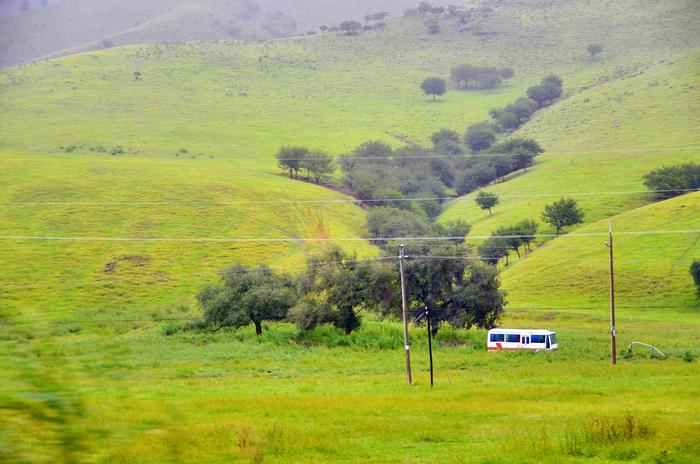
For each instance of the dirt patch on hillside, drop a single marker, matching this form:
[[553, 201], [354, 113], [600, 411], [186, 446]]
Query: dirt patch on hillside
[[132, 260]]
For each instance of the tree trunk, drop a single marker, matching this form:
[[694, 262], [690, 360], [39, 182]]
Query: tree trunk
[[517, 250], [258, 328], [490, 213]]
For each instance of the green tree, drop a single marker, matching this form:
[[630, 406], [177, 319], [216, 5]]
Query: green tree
[[246, 296], [448, 142], [506, 73], [424, 8], [434, 86], [493, 249], [350, 27], [319, 165], [524, 151], [480, 136], [695, 272], [456, 229], [462, 75], [527, 230], [486, 200], [334, 289], [291, 159], [461, 292], [548, 90], [595, 49], [671, 181], [393, 222], [432, 25], [562, 213]]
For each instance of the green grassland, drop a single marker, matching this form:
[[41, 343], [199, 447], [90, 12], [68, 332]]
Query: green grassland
[[203, 125], [72, 26], [652, 270], [601, 140], [193, 397]]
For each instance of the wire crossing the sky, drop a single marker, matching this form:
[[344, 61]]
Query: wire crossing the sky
[[330, 240], [332, 201]]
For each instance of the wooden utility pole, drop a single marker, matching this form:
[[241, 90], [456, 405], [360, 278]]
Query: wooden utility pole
[[404, 309], [613, 329], [430, 344]]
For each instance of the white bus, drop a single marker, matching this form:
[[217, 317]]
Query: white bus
[[521, 339]]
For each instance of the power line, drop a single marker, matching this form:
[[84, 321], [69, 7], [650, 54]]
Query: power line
[[60, 157], [331, 201], [159, 320], [331, 240]]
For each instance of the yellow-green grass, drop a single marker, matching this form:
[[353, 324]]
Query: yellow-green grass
[[227, 397], [244, 100], [72, 279], [602, 140], [652, 271], [204, 123]]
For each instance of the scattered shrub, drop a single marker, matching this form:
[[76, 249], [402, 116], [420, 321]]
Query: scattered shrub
[[671, 181]]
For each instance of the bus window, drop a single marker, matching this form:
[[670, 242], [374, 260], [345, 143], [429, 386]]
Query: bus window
[[553, 338], [513, 338], [497, 337], [537, 338]]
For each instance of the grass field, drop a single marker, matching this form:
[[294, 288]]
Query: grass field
[[195, 138], [602, 140], [227, 397]]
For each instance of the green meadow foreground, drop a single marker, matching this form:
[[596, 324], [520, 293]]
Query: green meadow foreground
[[227, 397], [96, 365]]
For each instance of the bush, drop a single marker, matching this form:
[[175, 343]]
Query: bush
[[671, 181], [480, 136], [563, 213], [695, 272]]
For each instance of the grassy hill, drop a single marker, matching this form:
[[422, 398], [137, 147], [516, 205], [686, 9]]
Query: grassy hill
[[72, 26], [204, 121], [179, 152], [604, 139], [570, 274]]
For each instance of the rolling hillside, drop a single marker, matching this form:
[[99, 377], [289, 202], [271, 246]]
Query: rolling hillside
[[71, 26], [202, 123], [601, 141], [138, 168], [570, 274]]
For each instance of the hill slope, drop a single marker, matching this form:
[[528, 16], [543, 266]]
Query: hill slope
[[603, 139], [203, 123], [80, 25], [570, 274]]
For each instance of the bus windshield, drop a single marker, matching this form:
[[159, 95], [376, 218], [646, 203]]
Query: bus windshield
[[553, 338]]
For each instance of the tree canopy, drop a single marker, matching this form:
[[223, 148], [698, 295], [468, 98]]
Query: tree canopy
[[246, 296], [291, 159], [562, 213], [434, 86], [695, 272], [671, 181], [461, 292], [350, 27], [486, 200], [595, 49], [480, 136]]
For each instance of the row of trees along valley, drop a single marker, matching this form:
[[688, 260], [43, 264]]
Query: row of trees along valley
[[405, 190], [336, 288]]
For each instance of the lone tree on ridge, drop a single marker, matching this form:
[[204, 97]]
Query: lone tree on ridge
[[562, 213], [434, 86]]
